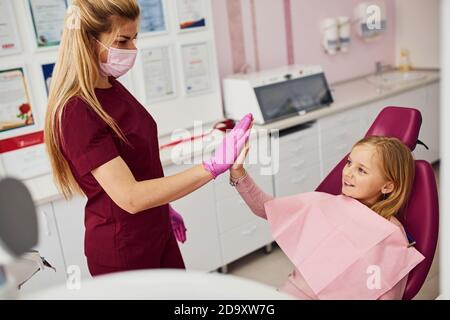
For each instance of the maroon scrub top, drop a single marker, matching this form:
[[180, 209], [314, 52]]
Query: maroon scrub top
[[115, 239]]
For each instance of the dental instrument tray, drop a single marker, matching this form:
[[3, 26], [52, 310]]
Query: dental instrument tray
[[276, 94]]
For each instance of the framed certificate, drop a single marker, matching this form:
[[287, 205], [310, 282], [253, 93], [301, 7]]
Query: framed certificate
[[196, 68], [191, 14], [15, 106], [48, 21], [9, 35], [153, 17], [158, 74], [47, 72]]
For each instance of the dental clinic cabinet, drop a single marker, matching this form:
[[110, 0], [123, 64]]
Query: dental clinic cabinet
[[221, 228]]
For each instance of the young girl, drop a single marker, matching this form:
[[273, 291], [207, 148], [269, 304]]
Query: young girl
[[103, 143], [379, 174]]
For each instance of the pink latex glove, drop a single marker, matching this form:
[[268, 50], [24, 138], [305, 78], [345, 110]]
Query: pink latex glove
[[177, 225], [230, 147]]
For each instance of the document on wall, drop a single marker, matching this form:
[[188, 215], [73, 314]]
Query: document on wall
[[158, 74], [27, 163], [191, 14], [47, 72], [197, 68], [25, 156], [48, 20], [9, 35], [152, 16], [15, 107]]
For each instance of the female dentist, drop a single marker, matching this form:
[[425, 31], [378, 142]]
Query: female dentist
[[102, 143]]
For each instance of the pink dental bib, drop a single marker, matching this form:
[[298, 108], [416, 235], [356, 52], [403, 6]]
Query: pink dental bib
[[343, 249]]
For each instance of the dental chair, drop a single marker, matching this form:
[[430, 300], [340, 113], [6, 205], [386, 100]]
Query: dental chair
[[420, 217]]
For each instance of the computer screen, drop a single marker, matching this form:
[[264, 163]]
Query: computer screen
[[291, 97]]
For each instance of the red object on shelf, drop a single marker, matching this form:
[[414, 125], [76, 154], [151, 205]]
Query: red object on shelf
[[223, 126], [20, 142]]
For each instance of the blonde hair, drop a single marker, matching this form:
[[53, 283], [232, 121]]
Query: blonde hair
[[76, 73], [397, 165]]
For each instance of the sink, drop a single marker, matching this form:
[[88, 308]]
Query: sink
[[396, 78]]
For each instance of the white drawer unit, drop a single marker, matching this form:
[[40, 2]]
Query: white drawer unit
[[301, 141], [202, 250], [70, 218], [49, 247], [290, 147], [340, 135], [232, 211], [297, 164], [347, 118], [245, 239], [305, 180]]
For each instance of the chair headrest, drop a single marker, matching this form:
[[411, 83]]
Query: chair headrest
[[402, 123]]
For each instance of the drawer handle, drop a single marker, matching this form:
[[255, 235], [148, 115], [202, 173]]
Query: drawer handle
[[47, 230], [298, 164], [299, 180], [249, 231]]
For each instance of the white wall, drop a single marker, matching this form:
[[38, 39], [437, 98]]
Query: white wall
[[418, 30]]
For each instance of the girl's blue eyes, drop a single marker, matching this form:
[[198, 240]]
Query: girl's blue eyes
[[360, 170]]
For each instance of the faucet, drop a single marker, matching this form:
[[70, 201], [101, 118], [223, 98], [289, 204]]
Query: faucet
[[380, 68]]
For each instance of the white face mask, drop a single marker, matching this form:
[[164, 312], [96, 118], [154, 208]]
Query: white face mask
[[119, 61]]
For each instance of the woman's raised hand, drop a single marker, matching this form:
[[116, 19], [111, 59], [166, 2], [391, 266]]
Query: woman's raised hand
[[237, 169]]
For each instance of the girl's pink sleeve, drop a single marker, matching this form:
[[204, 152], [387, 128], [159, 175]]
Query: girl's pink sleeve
[[253, 196]]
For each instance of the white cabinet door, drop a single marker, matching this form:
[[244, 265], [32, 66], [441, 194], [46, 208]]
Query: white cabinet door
[[338, 133], [70, 218], [417, 99], [49, 246], [202, 250], [424, 99], [430, 131], [241, 231], [369, 113]]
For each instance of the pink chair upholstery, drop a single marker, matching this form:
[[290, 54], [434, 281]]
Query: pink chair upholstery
[[421, 215]]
